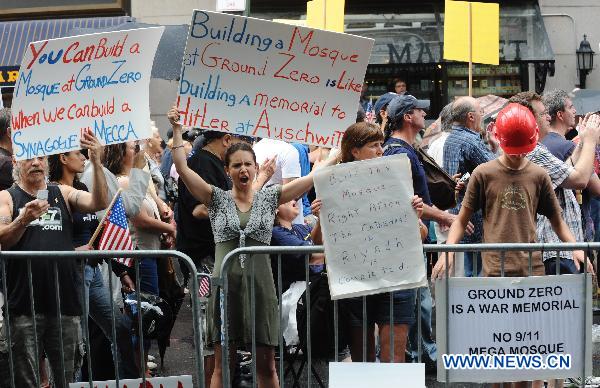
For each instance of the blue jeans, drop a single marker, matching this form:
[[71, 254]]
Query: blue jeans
[[99, 310], [428, 346], [566, 266], [149, 284], [149, 276], [470, 258]]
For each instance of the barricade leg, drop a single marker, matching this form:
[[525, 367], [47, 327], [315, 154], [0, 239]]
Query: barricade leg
[[84, 321], [281, 347], [223, 350], [308, 321], [253, 309], [61, 374], [35, 334], [447, 314], [140, 336]]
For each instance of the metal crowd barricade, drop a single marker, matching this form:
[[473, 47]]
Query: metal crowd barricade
[[36, 256], [223, 289]]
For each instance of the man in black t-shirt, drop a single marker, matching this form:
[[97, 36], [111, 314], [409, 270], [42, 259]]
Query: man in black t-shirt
[[194, 233], [35, 216]]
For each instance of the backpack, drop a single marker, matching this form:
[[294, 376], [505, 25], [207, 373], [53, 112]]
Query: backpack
[[322, 336], [440, 184]]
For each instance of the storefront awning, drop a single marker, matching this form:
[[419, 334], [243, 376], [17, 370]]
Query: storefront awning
[[17, 34]]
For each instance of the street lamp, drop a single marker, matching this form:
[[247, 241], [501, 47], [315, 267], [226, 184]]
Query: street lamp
[[585, 60]]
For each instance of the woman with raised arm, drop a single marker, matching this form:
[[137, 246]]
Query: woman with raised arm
[[241, 217]]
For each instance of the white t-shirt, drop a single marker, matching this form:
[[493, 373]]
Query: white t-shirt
[[288, 161], [436, 148], [287, 164]]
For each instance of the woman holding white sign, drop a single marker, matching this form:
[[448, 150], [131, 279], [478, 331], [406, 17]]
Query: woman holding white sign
[[363, 141], [241, 217]]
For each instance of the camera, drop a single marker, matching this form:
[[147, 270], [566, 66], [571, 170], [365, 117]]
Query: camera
[[190, 135]]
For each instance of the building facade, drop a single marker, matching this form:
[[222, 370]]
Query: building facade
[[566, 23], [538, 40]]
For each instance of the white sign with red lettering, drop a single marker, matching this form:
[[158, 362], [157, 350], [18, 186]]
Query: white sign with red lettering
[[162, 382], [260, 78], [98, 82]]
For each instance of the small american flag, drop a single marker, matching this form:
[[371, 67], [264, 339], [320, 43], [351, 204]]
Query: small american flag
[[370, 113], [115, 236]]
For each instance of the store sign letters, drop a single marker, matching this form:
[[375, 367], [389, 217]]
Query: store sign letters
[[98, 82], [427, 52]]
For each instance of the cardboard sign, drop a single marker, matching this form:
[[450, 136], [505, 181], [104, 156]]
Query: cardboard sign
[[380, 375], [484, 36], [370, 230], [535, 315], [98, 82], [162, 382], [259, 78]]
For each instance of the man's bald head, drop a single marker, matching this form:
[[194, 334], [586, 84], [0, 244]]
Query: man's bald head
[[466, 111]]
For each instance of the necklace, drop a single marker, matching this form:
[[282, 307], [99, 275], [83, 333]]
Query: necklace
[[514, 169]]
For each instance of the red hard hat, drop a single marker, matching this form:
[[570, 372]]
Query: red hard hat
[[516, 129]]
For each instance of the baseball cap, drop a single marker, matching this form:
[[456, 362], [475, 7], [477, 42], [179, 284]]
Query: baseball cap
[[383, 100], [402, 104]]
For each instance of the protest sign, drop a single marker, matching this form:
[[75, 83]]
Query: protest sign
[[370, 230], [480, 42], [259, 78], [374, 374], [162, 382], [98, 82], [549, 315]]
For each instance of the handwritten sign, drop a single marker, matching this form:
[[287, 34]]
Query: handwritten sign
[[98, 82], [162, 382], [259, 78], [545, 315], [370, 230]]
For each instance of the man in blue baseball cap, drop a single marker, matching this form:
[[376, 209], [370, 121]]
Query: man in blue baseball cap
[[406, 117]]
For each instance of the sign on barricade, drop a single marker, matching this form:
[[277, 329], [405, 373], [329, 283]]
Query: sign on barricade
[[376, 374], [98, 82], [156, 382], [259, 78], [501, 317], [370, 230]]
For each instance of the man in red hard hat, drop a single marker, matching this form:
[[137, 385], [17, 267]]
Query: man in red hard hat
[[510, 190]]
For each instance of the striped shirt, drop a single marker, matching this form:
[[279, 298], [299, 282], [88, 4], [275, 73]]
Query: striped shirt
[[571, 213]]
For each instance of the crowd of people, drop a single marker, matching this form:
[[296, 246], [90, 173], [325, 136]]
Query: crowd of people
[[530, 175]]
